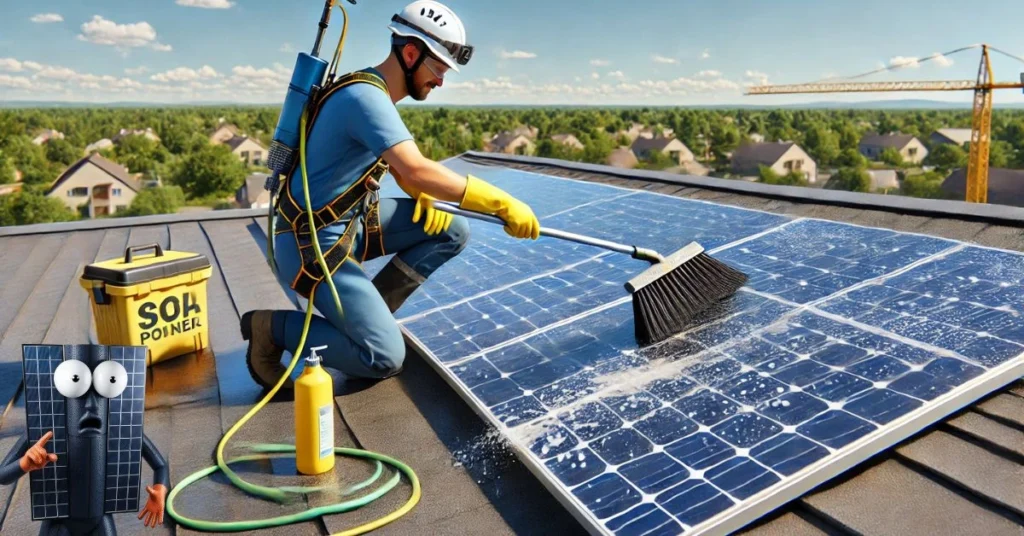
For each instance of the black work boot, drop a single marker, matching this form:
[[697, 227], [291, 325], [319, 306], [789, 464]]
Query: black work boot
[[263, 357], [396, 282]]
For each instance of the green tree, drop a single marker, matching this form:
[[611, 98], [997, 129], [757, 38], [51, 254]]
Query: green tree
[[139, 154], [891, 156], [1001, 154], [62, 152], [30, 207], [851, 180], [851, 158], [211, 171], [657, 160], [794, 178], [926, 185], [30, 159], [160, 200], [947, 157], [822, 145], [7, 171]]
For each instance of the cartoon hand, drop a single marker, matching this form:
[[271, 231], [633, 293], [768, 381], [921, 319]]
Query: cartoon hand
[[154, 509], [36, 457]]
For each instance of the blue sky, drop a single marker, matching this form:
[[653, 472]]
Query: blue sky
[[654, 52]]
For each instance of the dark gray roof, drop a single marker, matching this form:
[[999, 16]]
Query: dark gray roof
[[651, 144], [766, 153], [113, 169], [956, 477], [1005, 186], [896, 141]]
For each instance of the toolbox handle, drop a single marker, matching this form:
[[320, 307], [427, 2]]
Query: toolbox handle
[[129, 250]]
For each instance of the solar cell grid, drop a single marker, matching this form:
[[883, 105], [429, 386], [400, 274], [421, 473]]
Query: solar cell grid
[[845, 340]]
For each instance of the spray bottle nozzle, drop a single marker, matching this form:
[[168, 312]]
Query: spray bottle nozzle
[[313, 358]]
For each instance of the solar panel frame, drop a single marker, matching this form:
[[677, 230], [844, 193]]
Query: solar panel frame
[[792, 486]]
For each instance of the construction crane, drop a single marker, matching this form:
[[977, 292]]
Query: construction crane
[[981, 124]]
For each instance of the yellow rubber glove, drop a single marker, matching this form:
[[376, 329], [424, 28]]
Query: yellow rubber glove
[[436, 221], [480, 196]]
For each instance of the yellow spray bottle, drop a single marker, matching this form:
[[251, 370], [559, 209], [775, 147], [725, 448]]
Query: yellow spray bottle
[[314, 417]]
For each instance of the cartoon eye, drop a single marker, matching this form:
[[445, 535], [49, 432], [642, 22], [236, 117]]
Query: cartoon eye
[[72, 378], [110, 379]]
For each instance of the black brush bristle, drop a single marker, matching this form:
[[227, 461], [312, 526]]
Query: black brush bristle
[[666, 306]]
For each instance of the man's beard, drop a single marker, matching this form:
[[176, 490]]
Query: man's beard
[[420, 91]]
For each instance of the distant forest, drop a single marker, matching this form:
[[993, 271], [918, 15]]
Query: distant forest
[[194, 172]]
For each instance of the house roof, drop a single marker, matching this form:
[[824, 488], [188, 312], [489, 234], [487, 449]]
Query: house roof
[[897, 141], [236, 141], [956, 474], [762, 153], [503, 139], [111, 168], [958, 136], [652, 144], [1005, 186], [622, 157]]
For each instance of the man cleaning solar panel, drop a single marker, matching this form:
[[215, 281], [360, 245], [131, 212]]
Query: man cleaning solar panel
[[354, 136]]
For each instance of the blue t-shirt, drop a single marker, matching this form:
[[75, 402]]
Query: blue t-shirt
[[355, 126]]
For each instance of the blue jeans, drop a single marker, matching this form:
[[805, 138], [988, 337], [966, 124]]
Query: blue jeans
[[365, 341]]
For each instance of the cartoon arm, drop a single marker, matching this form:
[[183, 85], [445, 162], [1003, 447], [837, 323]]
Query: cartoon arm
[[154, 509], [23, 458], [10, 468]]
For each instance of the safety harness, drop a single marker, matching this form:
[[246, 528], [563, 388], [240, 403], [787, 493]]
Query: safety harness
[[361, 199]]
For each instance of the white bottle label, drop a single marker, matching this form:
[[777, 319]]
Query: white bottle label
[[326, 431]]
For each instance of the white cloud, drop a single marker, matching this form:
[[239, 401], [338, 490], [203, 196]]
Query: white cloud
[[17, 82], [600, 63], [206, 4], [44, 18], [662, 59], [903, 62], [11, 64], [706, 54], [101, 31], [517, 55], [940, 60], [617, 75], [185, 74], [757, 78], [685, 85], [32, 65], [595, 76], [137, 71], [709, 74], [287, 48]]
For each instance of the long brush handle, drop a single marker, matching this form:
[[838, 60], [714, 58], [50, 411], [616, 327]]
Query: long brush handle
[[633, 251]]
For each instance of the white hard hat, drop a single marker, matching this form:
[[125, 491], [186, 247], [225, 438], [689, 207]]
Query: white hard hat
[[438, 27]]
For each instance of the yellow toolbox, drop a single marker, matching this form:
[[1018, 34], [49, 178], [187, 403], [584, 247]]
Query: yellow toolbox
[[156, 300]]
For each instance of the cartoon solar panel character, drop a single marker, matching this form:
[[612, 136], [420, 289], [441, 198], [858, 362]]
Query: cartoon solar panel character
[[84, 406]]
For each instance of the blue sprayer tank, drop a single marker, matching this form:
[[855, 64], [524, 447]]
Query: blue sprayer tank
[[309, 71]]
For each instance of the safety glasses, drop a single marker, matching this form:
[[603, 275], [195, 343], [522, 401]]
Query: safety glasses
[[460, 53]]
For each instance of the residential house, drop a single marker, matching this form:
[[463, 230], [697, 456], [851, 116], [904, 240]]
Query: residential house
[[755, 137], [46, 135], [95, 186], [644, 147], [568, 140], [7, 189], [252, 194], [511, 143], [782, 158], [884, 179], [952, 136], [1005, 186], [911, 148], [223, 133], [124, 133], [528, 131], [98, 146], [252, 152], [622, 157]]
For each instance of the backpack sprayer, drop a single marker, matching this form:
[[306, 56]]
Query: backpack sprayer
[[308, 79]]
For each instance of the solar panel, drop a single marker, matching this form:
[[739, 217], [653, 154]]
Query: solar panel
[[124, 432], [846, 340], [44, 412]]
